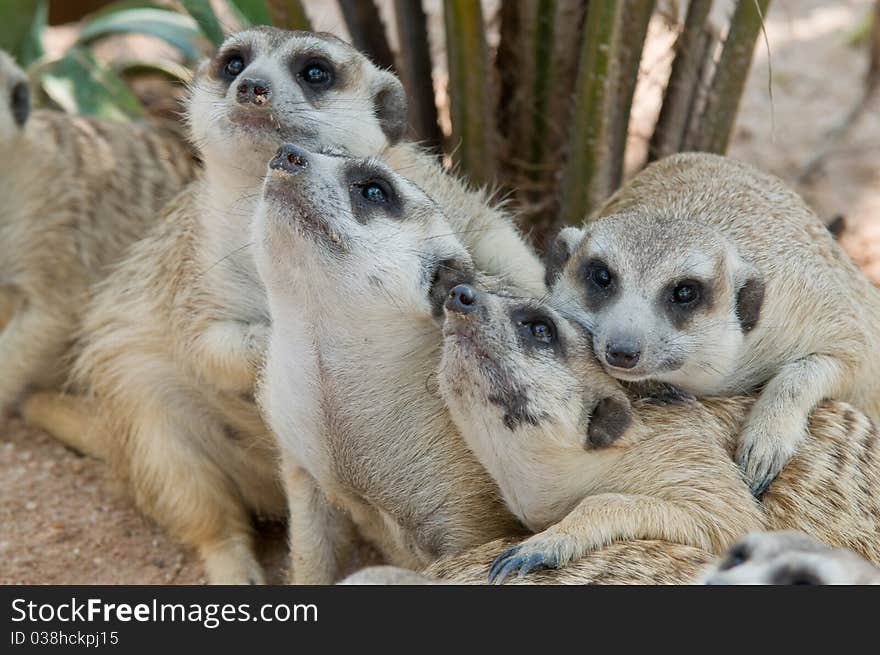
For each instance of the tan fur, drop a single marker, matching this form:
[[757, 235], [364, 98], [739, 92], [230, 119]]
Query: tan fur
[[353, 291], [789, 558], [526, 411], [638, 562], [735, 228], [622, 563], [173, 342], [76, 192]]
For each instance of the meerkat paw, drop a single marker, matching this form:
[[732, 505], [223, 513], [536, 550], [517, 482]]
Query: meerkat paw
[[547, 550], [763, 454]]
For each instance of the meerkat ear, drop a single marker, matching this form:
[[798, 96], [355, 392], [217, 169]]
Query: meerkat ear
[[749, 300], [749, 295], [610, 419], [20, 101], [560, 251], [389, 99]]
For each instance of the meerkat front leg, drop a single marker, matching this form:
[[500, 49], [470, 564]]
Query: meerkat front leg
[[32, 344], [230, 354], [10, 299], [777, 424], [600, 520], [321, 536]]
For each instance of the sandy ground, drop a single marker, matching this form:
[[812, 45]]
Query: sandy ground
[[62, 519]]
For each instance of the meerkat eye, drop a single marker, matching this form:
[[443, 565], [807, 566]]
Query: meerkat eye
[[542, 331], [686, 293], [317, 73], [599, 274], [234, 65], [737, 555], [376, 191]]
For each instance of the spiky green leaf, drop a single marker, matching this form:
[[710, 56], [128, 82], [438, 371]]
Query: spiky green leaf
[[204, 15], [177, 29], [80, 85]]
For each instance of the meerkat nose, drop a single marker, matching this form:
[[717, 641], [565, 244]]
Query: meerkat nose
[[253, 91], [290, 158], [622, 354], [462, 299]]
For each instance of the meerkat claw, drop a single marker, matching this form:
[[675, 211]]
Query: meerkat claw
[[499, 562], [515, 560]]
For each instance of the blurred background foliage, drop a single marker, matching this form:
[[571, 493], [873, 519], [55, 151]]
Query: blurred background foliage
[[542, 112]]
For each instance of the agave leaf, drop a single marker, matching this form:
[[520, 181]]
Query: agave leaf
[[254, 12], [80, 85], [180, 31], [20, 30], [170, 69], [204, 15]]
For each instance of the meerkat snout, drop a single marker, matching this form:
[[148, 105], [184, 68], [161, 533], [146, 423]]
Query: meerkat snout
[[623, 352], [20, 102], [462, 299], [253, 91], [289, 158]]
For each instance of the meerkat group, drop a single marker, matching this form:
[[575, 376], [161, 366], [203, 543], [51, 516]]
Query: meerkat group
[[320, 323]]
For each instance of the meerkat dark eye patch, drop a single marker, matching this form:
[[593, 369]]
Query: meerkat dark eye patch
[[535, 329], [231, 63], [600, 283], [371, 191], [609, 421], [749, 300], [681, 299], [20, 102]]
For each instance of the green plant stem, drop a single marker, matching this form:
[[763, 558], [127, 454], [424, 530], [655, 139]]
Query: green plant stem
[[725, 91], [469, 90]]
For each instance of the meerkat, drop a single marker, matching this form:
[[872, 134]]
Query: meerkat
[[172, 344], [708, 275], [76, 191], [789, 558], [356, 261], [526, 392]]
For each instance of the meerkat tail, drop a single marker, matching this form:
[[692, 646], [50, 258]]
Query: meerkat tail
[[68, 418]]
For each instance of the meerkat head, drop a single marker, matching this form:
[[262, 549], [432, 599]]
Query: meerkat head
[[15, 104], [667, 299], [356, 227], [517, 363], [266, 86], [789, 558]]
